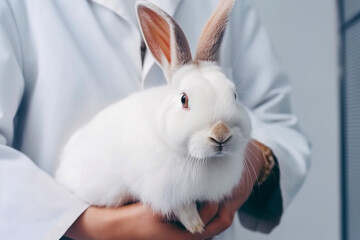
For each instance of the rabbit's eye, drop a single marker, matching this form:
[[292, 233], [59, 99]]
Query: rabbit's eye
[[185, 100], [235, 95]]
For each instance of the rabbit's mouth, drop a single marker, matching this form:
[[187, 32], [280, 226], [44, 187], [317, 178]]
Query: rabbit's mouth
[[220, 149], [203, 146], [214, 151]]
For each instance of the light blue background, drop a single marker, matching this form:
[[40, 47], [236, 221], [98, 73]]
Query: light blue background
[[305, 35]]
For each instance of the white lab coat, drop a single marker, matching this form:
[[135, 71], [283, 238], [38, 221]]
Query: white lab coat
[[61, 61]]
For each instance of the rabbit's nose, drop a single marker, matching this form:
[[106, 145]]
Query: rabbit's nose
[[220, 133]]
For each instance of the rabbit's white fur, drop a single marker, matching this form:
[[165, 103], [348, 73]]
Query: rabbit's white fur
[[149, 147]]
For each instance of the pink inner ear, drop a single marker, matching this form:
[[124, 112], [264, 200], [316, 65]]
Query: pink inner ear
[[157, 33]]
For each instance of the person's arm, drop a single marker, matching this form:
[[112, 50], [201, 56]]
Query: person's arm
[[32, 204], [265, 90]]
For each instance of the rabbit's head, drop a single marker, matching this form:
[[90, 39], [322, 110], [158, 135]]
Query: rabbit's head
[[201, 115]]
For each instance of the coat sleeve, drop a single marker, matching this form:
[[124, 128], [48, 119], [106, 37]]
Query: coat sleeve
[[265, 91], [32, 204]]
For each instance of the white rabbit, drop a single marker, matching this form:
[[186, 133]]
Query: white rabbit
[[168, 146]]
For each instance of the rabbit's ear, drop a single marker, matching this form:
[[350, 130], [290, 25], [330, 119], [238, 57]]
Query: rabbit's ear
[[213, 32], [163, 37]]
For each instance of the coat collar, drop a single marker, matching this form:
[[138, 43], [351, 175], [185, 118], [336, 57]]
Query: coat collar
[[120, 7]]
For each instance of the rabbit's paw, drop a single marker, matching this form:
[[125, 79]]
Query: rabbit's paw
[[190, 218]]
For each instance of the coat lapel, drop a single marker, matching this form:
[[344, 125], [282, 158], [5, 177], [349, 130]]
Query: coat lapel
[[119, 8], [116, 6]]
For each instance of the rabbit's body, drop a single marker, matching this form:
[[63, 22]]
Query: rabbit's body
[[168, 146], [136, 161]]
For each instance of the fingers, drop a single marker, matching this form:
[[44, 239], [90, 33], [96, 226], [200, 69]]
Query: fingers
[[208, 211], [216, 217], [220, 223]]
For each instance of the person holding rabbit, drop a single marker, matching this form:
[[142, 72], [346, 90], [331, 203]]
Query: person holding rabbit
[[77, 133]]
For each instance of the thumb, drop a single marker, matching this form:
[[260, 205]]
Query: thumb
[[208, 211]]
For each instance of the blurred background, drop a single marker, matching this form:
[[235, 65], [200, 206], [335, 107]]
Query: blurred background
[[306, 35]]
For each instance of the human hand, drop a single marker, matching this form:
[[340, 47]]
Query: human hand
[[133, 221]]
